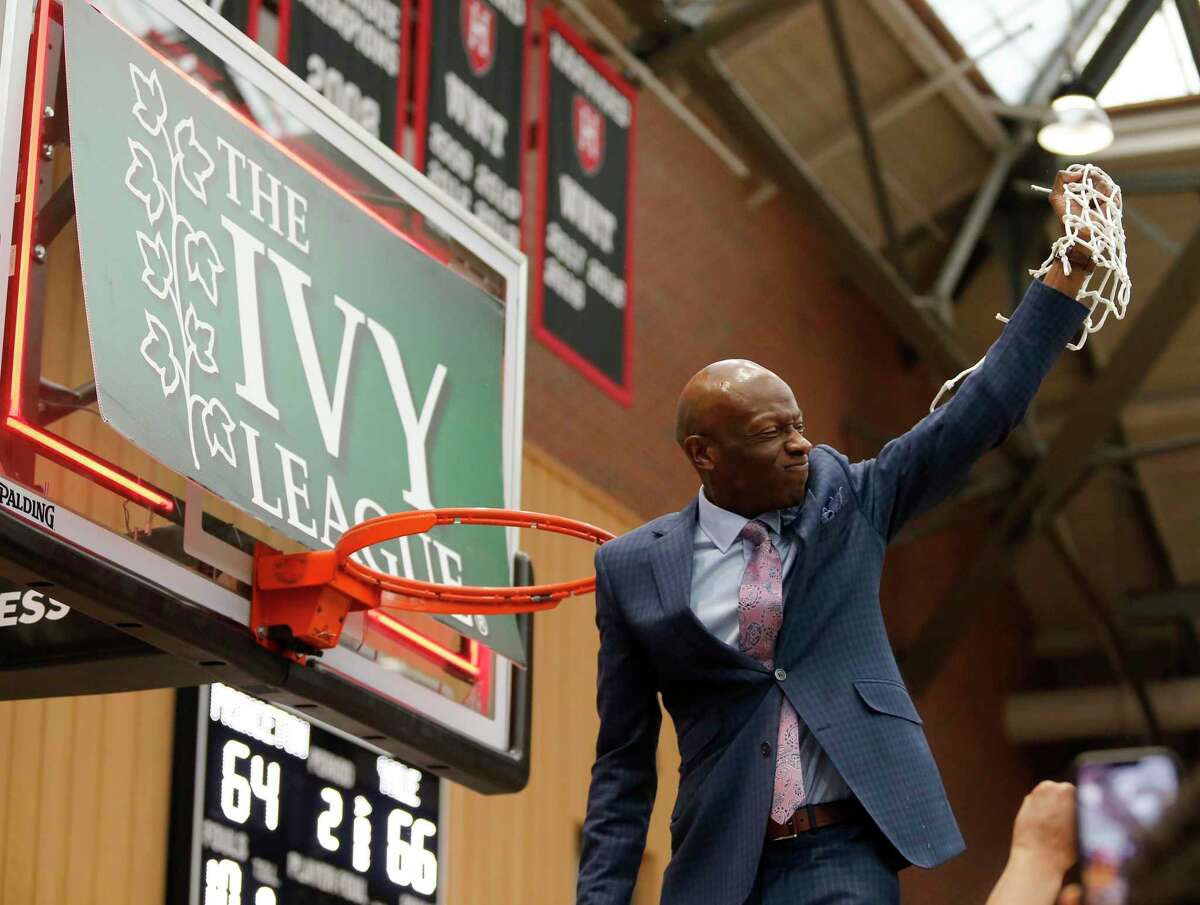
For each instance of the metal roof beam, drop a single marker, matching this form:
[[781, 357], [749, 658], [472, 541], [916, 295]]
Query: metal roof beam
[[955, 264], [651, 17], [1066, 644], [866, 137], [990, 486], [1189, 15], [1104, 613], [1122, 454], [1162, 606], [1108, 56], [930, 56], [869, 270], [906, 102], [690, 47], [1055, 478]]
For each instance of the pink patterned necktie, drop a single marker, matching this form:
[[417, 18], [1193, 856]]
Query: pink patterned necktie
[[760, 614]]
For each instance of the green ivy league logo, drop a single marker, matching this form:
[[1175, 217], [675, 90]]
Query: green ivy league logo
[[178, 345]]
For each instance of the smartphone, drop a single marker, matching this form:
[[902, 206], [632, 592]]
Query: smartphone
[[1119, 794]]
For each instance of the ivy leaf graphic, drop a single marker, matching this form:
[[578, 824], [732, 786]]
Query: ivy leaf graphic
[[203, 262], [218, 431], [196, 166], [142, 179], [202, 337], [159, 353], [150, 107], [157, 261]]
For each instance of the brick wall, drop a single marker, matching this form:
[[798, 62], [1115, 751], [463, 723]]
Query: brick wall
[[715, 280]]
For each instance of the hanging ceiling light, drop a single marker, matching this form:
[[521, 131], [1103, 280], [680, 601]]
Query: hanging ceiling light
[[1076, 125]]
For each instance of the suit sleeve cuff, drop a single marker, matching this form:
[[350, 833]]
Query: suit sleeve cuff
[[1049, 313]]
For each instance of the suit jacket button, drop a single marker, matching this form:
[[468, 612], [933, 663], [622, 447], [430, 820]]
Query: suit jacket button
[[766, 749], [781, 674]]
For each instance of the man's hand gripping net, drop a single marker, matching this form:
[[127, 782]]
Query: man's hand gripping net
[[1092, 219]]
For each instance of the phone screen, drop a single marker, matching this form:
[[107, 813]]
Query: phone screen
[[1117, 801]]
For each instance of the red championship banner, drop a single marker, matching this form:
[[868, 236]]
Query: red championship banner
[[470, 91], [583, 265], [354, 53]]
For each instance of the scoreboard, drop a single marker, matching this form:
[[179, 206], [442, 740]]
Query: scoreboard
[[284, 811]]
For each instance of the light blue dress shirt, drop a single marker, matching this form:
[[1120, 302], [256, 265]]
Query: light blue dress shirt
[[719, 559]]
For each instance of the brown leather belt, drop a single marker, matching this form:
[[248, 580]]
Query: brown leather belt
[[814, 817]]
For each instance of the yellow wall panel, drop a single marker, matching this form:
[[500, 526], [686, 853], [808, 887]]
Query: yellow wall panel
[[54, 803], [84, 792], [117, 787], [151, 813], [7, 718], [24, 768], [85, 798]]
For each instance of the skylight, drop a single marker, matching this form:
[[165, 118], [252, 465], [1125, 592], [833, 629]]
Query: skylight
[[1008, 39], [1012, 39], [1159, 65]]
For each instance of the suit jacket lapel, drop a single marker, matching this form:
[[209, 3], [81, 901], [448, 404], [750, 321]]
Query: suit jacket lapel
[[793, 604], [671, 562]]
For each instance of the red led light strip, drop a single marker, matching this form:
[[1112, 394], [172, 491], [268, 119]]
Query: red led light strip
[[33, 139], [59, 448], [429, 647], [122, 481]]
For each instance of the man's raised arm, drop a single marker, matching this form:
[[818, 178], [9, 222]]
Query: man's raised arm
[[920, 468], [624, 776]]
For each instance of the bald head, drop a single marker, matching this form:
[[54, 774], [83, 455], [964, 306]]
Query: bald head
[[717, 392], [741, 430]]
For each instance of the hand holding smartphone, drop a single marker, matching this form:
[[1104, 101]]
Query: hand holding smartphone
[[1120, 794]]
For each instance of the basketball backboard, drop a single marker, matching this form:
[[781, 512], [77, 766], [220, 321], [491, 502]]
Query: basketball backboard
[[234, 316]]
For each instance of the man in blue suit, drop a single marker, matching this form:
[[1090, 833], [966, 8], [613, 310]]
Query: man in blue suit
[[805, 776]]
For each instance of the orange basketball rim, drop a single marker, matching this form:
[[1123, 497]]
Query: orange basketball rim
[[301, 600]]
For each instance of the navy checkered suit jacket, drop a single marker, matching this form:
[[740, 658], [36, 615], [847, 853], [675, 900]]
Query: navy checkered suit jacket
[[841, 677]]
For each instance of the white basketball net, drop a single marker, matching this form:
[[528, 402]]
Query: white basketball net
[[1092, 220]]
